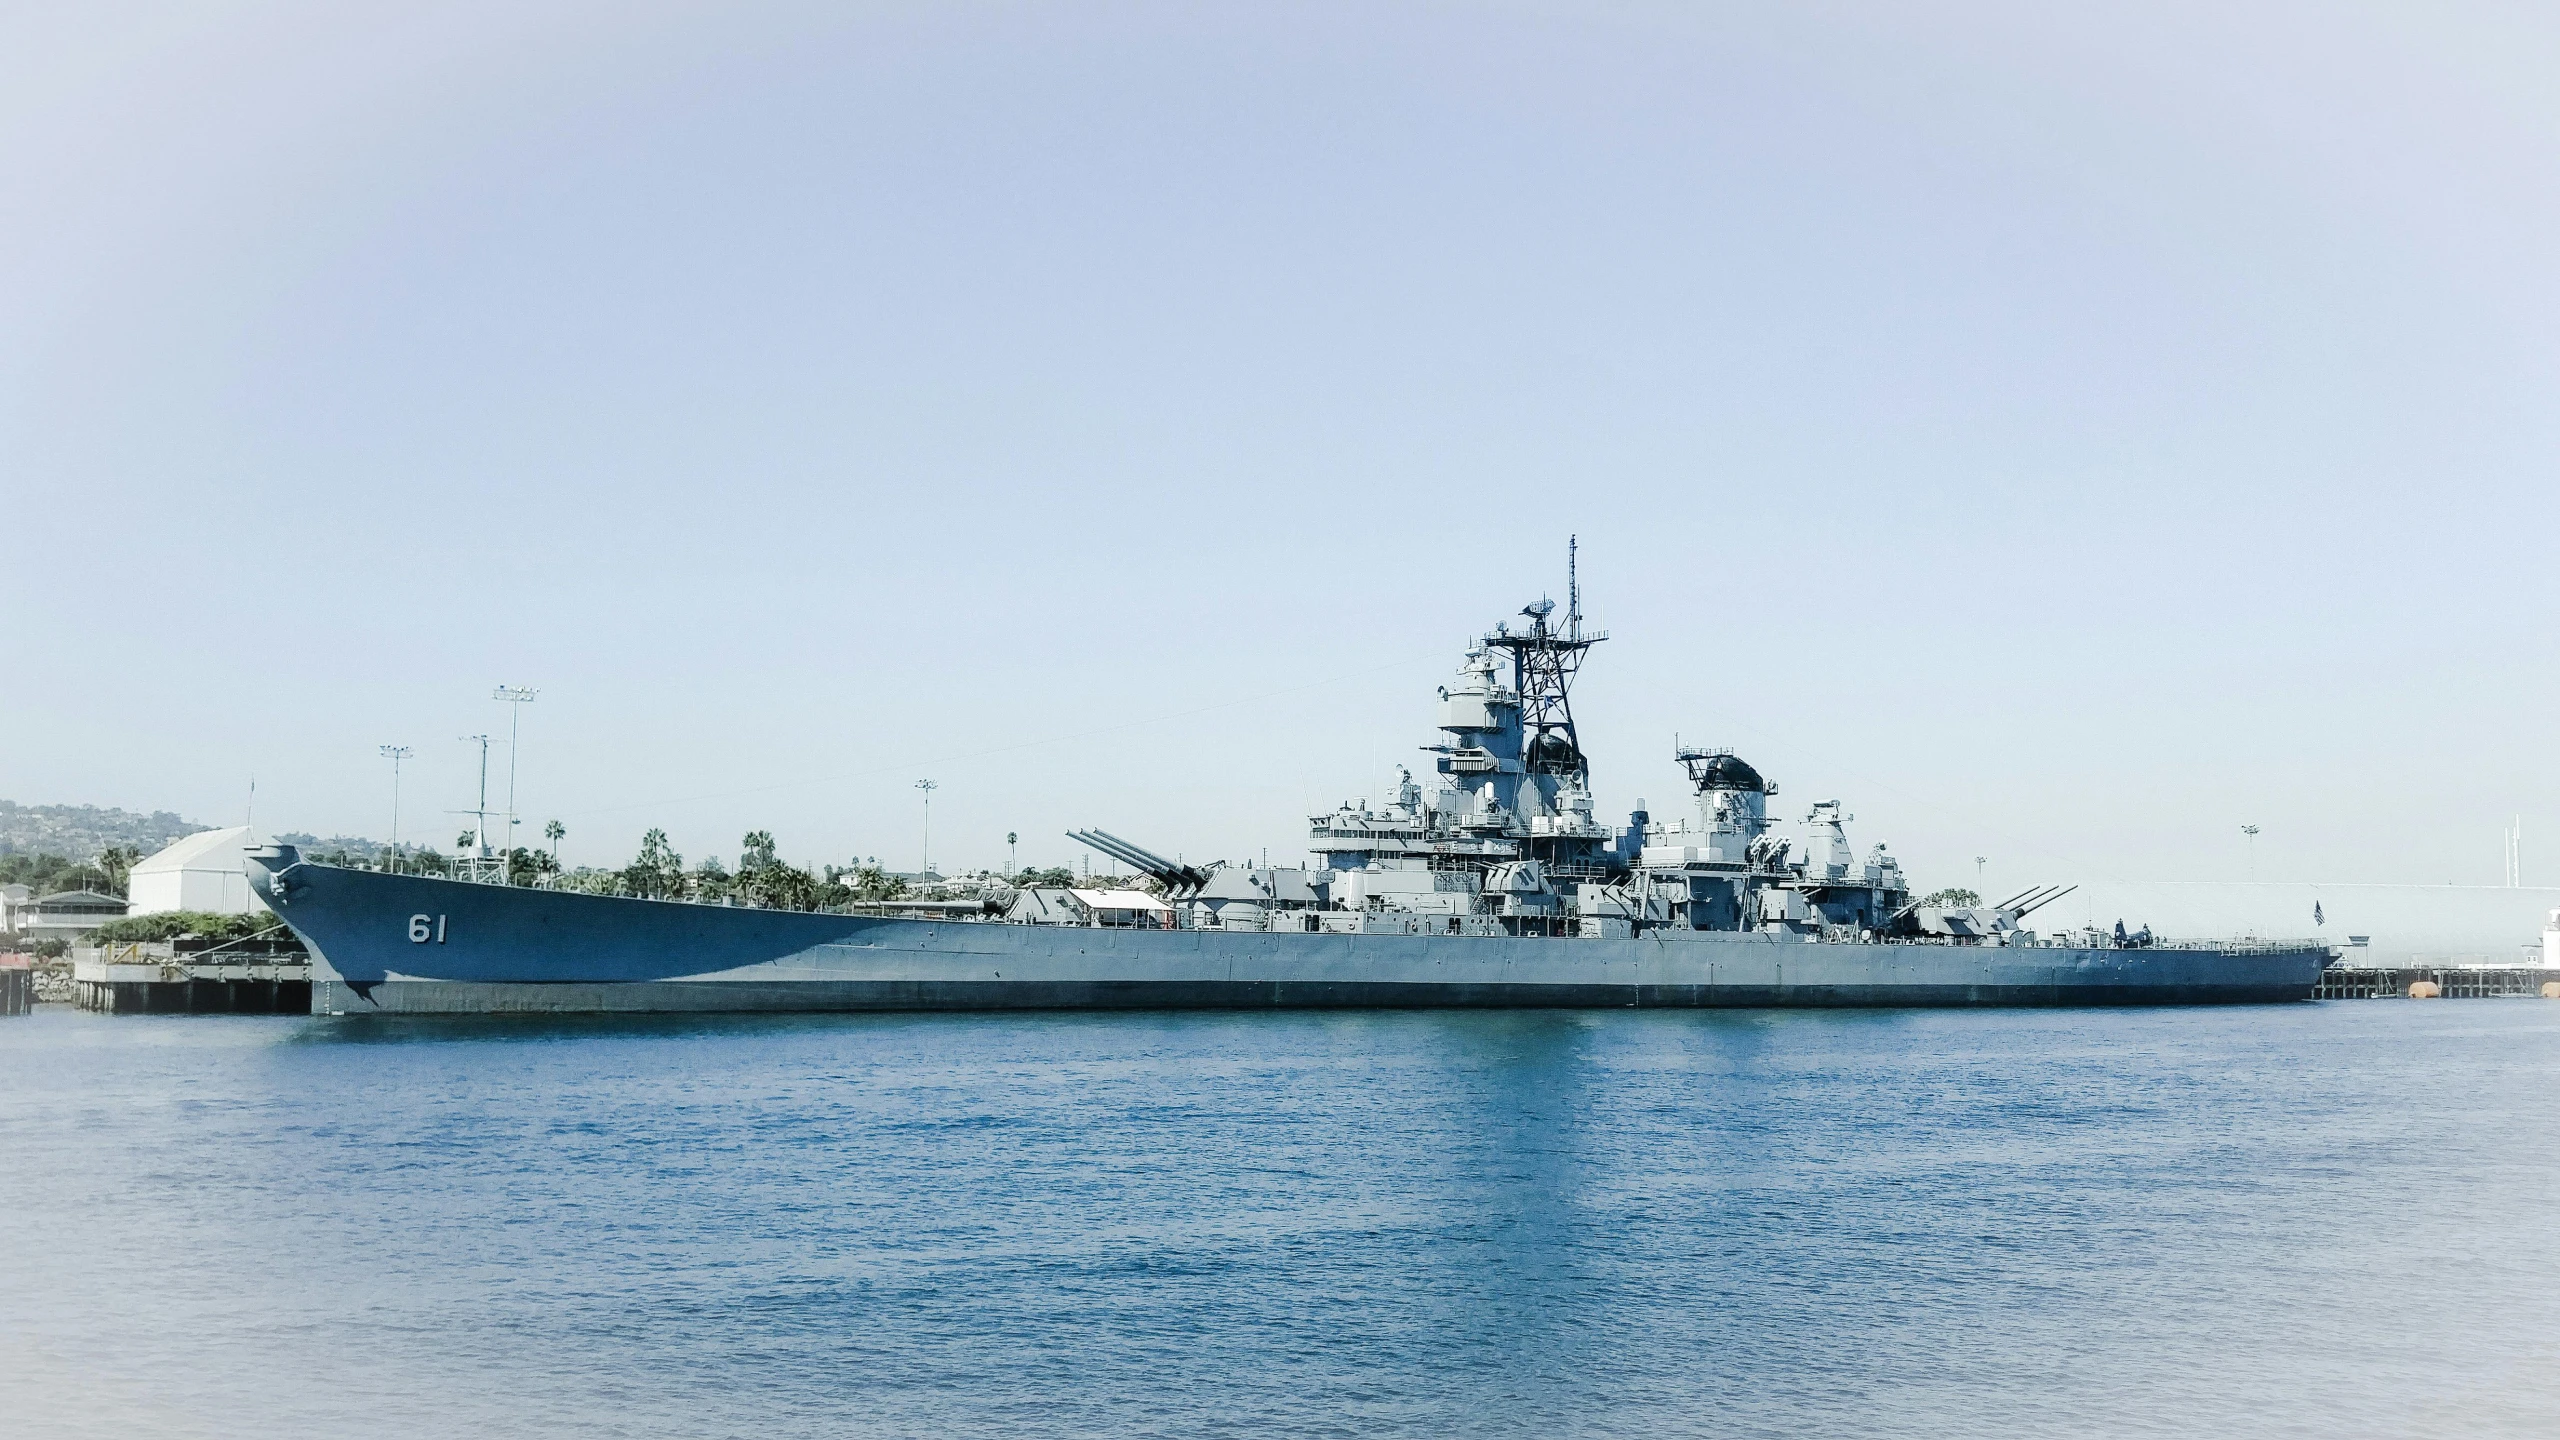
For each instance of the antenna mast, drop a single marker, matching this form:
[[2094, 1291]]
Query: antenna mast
[[1572, 588], [480, 865], [1543, 663]]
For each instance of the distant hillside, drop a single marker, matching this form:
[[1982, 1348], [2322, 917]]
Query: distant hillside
[[350, 847], [79, 832]]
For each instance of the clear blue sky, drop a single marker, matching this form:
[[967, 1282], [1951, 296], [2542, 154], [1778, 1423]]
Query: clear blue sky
[[2066, 433]]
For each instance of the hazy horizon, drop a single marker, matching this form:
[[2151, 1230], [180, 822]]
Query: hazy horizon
[[2064, 437]]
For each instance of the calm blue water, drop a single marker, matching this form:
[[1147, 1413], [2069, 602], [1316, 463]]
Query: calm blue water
[[2303, 1220]]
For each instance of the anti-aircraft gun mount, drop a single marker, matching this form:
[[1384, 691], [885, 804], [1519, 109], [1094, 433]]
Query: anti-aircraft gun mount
[[1972, 924]]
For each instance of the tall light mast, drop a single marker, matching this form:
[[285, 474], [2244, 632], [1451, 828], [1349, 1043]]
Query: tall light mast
[[928, 787], [395, 754], [517, 697]]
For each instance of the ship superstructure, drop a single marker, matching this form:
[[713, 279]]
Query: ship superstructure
[[1504, 832], [1502, 837]]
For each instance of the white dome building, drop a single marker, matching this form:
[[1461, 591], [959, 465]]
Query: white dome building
[[203, 872]]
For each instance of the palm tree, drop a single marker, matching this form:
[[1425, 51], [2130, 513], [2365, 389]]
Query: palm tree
[[658, 872], [116, 863], [552, 832]]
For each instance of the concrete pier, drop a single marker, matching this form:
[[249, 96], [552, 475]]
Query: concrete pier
[[178, 989], [2453, 982]]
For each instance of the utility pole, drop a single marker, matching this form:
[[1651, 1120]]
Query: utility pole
[[395, 754], [517, 697], [928, 787]]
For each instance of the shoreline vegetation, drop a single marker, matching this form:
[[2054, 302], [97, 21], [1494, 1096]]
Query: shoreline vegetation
[[761, 879]]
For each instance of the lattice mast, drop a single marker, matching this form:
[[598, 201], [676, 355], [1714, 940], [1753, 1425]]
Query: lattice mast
[[1543, 664]]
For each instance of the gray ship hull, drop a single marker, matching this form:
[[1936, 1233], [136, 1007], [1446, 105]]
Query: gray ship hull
[[408, 944]]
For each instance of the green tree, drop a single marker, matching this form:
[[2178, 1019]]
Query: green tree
[[769, 882], [530, 867], [657, 873], [83, 877], [712, 882], [116, 864], [1951, 899], [867, 883], [170, 924], [788, 887], [41, 874]]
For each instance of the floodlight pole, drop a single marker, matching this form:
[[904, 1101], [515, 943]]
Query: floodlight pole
[[517, 697], [928, 787], [395, 754]]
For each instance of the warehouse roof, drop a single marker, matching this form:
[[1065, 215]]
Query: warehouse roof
[[204, 850]]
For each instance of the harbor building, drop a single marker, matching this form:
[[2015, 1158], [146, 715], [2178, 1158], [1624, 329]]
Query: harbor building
[[206, 872], [68, 915]]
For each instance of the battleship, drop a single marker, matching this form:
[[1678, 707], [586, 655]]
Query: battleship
[[1491, 882]]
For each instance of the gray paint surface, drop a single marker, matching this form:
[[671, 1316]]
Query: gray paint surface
[[493, 948]]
